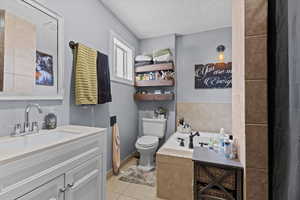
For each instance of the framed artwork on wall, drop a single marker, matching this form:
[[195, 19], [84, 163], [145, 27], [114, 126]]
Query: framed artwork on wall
[[213, 76], [44, 69]]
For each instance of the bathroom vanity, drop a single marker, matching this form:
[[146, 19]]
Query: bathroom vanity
[[68, 163]]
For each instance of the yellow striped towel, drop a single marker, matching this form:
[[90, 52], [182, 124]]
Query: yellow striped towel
[[86, 89]]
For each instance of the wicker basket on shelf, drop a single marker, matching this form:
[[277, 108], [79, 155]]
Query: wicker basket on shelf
[[229, 182]]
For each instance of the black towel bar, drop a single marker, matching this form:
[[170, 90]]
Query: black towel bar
[[72, 44]]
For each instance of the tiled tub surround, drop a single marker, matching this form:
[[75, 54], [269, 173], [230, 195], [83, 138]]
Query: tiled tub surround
[[173, 142], [19, 54], [210, 117], [175, 168], [175, 172], [250, 121], [256, 99]]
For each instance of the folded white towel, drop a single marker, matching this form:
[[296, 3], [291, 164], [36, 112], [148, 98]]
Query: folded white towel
[[141, 58], [163, 58]]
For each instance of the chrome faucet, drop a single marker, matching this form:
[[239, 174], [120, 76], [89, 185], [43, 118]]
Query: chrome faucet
[[27, 129], [27, 111], [191, 144]]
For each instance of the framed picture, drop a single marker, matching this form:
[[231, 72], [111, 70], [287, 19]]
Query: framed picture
[[213, 75], [44, 69]]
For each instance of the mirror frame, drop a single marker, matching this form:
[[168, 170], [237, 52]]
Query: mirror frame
[[60, 48]]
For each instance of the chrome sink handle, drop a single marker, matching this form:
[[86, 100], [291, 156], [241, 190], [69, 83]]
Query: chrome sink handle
[[35, 127], [17, 130]]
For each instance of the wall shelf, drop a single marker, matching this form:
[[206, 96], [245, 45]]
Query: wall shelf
[[154, 83], [155, 67], [153, 97]]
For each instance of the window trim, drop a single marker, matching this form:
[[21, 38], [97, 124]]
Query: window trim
[[114, 77]]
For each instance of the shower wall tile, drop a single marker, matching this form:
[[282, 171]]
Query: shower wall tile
[[257, 184], [256, 57], [256, 17], [208, 117], [256, 102], [256, 106], [257, 146]]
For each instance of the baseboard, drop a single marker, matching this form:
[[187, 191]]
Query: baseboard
[[110, 173]]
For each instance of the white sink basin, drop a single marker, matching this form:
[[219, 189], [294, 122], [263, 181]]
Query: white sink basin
[[33, 141]]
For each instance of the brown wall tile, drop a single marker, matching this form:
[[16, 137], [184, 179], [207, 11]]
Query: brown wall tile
[[256, 102], [257, 146], [256, 57], [256, 17], [257, 184], [210, 117], [175, 181]]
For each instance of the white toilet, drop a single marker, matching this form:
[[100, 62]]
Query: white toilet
[[153, 130]]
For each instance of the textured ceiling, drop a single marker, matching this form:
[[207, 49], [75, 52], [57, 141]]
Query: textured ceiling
[[151, 18]]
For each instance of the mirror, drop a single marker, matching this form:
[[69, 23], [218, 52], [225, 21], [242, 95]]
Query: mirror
[[30, 63]]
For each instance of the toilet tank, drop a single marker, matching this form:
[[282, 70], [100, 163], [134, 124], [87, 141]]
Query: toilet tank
[[154, 127]]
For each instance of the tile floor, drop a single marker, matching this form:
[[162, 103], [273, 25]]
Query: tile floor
[[119, 190]]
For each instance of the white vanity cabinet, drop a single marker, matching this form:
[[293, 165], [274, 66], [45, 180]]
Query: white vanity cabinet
[[72, 169], [80, 183]]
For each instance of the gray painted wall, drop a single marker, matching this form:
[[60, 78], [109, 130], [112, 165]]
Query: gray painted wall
[[88, 22], [200, 48], [145, 109], [125, 108], [201, 107], [12, 112]]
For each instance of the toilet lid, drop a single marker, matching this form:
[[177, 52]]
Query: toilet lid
[[147, 141]]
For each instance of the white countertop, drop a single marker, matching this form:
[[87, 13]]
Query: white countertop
[[72, 133]]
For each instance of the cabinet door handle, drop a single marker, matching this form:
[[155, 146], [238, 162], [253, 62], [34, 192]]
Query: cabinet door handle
[[62, 190]]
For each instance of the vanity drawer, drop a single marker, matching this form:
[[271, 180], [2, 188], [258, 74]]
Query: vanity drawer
[[51, 190]]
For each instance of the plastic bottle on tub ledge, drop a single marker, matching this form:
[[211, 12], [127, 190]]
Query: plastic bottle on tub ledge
[[230, 150], [222, 140], [233, 153], [227, 145], [227, 149]]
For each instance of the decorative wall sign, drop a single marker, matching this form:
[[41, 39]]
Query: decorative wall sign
[[213, 75], [44, 69]]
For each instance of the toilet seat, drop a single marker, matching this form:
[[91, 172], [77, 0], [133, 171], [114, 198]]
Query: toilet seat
[[147, 141]]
